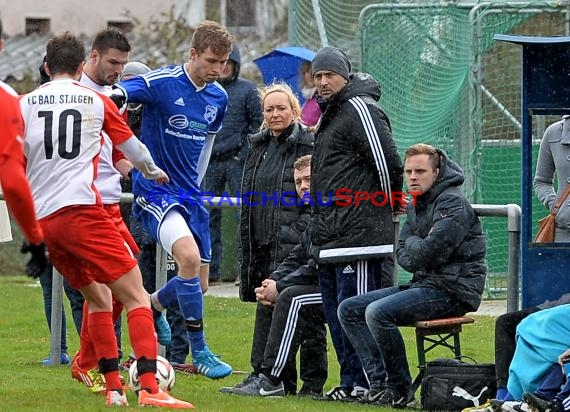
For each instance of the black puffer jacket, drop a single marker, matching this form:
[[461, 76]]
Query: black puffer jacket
[[282, 224], [355, 151], [442, 242]]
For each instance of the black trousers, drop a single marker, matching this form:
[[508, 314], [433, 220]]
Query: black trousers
[[505, 342], [296, 320]]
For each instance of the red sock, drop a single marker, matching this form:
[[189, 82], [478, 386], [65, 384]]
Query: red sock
[[143, 341], [112, 381], [87, 359], [102, 334]]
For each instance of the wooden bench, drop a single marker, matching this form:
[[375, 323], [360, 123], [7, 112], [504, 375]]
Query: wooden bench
[[439, 332]]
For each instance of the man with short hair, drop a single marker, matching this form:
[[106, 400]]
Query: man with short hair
[[230, 150], [183, 110], [91, 253], [352, 243], [290, 297], [442, 244], [109, 54]]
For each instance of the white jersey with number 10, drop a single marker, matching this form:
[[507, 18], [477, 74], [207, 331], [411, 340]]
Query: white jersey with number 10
[[63, 125]]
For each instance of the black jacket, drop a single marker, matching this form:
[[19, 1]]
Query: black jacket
[[354, 151], [298, 268], [243, 116], [442, 243], [286, 223]]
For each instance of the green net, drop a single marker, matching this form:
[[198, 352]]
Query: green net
[[447, 82]]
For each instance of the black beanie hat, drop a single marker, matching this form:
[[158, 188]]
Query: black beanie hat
[[332, 59]]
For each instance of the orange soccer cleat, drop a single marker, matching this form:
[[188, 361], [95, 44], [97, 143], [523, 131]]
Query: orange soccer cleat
[[162, 399]]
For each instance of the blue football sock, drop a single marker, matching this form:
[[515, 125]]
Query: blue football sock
[[502, 393], [168, 295], [191, 303]]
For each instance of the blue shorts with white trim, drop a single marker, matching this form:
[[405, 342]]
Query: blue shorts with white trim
[[151, 215]]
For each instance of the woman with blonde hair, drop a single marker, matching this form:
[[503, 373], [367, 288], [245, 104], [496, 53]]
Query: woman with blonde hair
[[272, 217]]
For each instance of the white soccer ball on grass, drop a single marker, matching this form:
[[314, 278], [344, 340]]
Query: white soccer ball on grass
[[165, 376]]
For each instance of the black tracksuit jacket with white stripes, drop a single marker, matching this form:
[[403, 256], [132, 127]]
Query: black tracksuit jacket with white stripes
[[298, 268], [354, 150]]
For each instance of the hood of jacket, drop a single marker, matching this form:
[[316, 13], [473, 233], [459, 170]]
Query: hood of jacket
[[450, 174], [235, 56], [359, 84]]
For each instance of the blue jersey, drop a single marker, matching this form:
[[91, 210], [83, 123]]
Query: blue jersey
[[177, 119]]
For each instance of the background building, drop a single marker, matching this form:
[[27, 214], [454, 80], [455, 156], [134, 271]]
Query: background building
[[85, 17]]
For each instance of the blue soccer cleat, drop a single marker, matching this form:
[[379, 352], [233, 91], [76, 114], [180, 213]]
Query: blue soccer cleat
[[210, 365], [63, 360], [163, 333]]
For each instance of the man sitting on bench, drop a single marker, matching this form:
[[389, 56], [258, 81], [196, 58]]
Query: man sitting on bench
[[443, 246]]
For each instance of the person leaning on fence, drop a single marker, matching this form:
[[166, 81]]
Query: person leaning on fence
[[442, 244], [289, 314], [91, 253], [354, 151]]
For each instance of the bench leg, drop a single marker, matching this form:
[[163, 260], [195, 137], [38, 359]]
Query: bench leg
[[420, 345], [456, 345]]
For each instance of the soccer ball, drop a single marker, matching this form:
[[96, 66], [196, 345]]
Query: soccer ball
[[164, 375]]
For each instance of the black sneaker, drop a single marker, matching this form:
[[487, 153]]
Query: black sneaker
[[372, 395], [537, 404], [261, 386], [310, 393], [346, 393], [339, 393], [391, 398], [249, 378]]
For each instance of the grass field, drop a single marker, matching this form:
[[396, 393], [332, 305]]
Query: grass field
[[25, 385]]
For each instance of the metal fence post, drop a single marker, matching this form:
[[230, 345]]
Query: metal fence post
[[56, 318]]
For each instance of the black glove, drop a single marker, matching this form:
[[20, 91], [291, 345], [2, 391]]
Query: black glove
[[38, 262], [118, 98]]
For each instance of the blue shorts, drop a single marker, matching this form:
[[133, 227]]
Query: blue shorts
[[196, 215]]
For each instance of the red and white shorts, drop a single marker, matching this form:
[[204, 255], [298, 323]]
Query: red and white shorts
[[84, 245]]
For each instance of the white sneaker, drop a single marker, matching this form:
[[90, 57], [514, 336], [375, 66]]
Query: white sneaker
[[115, 398], [512, 406], [358, 392]]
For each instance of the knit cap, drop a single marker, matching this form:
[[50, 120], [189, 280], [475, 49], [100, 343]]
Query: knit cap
[[134, 68], [332, 59]]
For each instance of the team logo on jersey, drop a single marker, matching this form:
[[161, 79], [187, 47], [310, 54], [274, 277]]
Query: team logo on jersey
[[210, 114], [178, 121]]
